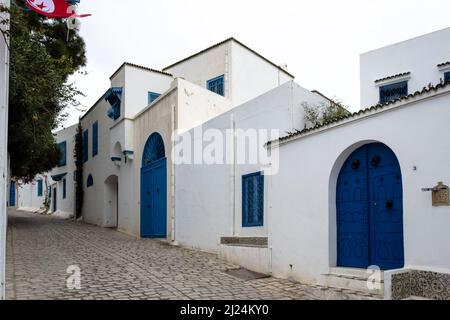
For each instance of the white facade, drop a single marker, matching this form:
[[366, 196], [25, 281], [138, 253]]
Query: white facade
[[28, 196], [4, 88], [415, 60], [303, 202], [208, 197], [62, 178], [247, 73], [184, 103]]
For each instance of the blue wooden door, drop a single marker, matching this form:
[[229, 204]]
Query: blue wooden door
[[54, 200], [12, 194], [154, 200], [370, 209]]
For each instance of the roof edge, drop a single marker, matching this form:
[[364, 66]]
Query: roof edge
[[223, 42], [358, 115], [138, 67]]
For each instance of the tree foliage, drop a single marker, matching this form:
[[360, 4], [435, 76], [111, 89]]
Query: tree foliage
[[41, 61], [324, 112]]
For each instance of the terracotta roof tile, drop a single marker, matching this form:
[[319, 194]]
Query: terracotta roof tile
[[443, 64], [393, 77], [379, 106]]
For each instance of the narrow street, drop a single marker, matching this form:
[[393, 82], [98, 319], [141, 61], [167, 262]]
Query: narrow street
[[117, 266]]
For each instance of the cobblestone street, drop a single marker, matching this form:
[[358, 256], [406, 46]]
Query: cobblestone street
[[118, 266]]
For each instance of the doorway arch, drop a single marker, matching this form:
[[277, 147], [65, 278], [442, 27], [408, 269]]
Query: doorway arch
[[369, 209], [154, 188], [112, 202]]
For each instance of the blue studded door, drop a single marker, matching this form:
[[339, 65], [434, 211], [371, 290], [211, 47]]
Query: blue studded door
[[154, 189], [369, 205]]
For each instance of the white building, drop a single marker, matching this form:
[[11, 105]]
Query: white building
[[319, 204], [4, 89], [371, 193], [405, 67]]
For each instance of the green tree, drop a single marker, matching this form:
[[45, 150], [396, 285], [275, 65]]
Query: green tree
[[324, 112], [42, 59]]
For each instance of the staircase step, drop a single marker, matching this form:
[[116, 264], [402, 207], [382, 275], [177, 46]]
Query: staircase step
[[353, 279]]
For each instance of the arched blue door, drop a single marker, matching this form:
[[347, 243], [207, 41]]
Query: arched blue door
[[154, 189], [369, 204]]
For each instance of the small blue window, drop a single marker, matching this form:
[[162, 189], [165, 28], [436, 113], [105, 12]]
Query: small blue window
[[447, 76], [152, 96], [64, 188], [85, 145], [393, 91], [63, 150], [90, 181], [253, 200], [95, 139], [40, 188], [216, 85]]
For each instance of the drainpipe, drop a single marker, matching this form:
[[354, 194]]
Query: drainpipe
[[233, 175], [172, 178]]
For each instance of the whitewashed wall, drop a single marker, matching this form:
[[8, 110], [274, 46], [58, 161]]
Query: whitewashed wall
[[208, 199], [302, 197], [27, 197], [205, 66], [247, 75], [4, 85], [66, 207], [420, 56], [181, 107], [96, 201], [138, 83], [252, 76]]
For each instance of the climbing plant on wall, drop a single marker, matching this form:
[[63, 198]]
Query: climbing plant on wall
[[78, 156]]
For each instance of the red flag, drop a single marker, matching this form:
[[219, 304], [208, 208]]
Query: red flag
[[54, 8]]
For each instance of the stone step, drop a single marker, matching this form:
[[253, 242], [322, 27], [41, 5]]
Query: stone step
[[353, 279]]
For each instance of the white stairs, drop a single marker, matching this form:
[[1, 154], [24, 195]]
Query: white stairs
[[356, 280]]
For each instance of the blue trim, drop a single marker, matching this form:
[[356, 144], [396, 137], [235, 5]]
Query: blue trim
[[86, 145], [447, 76], [217, 85], [153, 150], [58, 177], [152, 96], [114, 97], [253, 200], [40, 188], [90, 181], [63, 150], [12, 194], [95, 139], [64, 182], [393, 91]]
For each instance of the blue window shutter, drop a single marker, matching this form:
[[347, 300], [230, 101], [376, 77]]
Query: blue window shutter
[[64, 188], [152, 96], [447, 76], [63, 150], [393, 91], [253, 200], [85, 145], [216, 85], [95, 139], [90, 181], [40, 188]]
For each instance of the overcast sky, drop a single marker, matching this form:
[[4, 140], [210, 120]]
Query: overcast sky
[[320, 40]]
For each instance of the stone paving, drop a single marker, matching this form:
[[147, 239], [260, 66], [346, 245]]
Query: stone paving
[[117, 266]]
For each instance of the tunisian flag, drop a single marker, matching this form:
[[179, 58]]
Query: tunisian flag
[[55, 8]]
